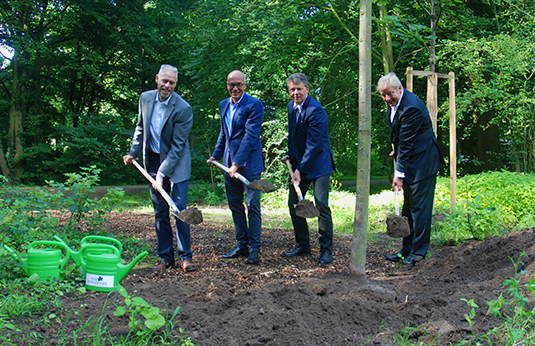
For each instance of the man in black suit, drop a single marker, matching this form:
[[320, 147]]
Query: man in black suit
[[417, 158], [309, 152]]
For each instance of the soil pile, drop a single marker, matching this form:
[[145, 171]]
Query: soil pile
[[297, 302]]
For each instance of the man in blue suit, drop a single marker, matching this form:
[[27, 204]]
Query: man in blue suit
[[417, 158], [239, 146], [309, 152], [161, 135]]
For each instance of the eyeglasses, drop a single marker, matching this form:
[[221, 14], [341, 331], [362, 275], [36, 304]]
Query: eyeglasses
[[232, 85]]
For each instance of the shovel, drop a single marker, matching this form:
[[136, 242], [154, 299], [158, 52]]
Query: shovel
[[260, 185], [397, 226], [191, 216], [303, 208]]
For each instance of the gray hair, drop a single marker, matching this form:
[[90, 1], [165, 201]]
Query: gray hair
[[297, 78], [389, 79], [167, 67]]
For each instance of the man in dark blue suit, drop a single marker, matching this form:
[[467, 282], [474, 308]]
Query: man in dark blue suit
[[417, 158], [312, 162], [239, 146]]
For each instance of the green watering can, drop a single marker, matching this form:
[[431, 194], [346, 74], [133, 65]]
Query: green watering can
[[104, 270], [46, 262], [90, 239]]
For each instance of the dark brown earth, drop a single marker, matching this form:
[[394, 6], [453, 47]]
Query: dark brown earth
[[297, 302]]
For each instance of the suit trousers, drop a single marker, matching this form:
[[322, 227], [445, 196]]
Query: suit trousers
[[418, 208], [164, 231], [248, 234], [325, 222]]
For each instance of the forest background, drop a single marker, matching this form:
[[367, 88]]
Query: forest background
[[72, 72]]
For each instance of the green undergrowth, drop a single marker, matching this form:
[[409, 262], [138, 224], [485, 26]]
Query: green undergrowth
[[487, 204]]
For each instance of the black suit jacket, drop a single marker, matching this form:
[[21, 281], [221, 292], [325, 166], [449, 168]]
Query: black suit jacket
[[415, 146]]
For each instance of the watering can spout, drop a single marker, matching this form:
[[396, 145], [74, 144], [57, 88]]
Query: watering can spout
[[75, 255], [16, 257], [123, 270]]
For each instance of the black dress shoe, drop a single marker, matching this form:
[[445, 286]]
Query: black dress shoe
[[413, 259], [237, 252], [253, 258], [325, 258], [395, 257], [298, 251]]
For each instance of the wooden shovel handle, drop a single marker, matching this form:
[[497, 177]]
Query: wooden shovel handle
[[296, 185], [162, 192], [236, 174]]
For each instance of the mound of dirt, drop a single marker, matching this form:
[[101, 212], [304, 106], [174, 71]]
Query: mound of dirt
[[297, 302]]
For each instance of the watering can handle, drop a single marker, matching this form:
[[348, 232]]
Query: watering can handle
[[59, 243], [118, 244]]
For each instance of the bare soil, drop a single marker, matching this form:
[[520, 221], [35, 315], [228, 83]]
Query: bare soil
[[297, 302]]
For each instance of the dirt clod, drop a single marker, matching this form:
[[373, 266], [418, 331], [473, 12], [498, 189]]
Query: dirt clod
[[306, 209], [263, 185], [397, 226], [193, 216]]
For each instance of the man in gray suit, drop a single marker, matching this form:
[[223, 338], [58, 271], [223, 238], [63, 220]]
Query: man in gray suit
[[163, 126]]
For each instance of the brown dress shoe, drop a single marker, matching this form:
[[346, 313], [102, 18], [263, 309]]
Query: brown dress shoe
[[163, 265], [188, 265]]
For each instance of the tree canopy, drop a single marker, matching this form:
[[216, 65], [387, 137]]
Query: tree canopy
[[68, 96]]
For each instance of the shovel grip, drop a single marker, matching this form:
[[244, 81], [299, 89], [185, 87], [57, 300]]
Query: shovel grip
[[236, 174], [296, 185], [396, 198], [162, 192]]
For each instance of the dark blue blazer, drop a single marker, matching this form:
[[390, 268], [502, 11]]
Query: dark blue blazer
[[243, 145], [415, 146], [308, 140]]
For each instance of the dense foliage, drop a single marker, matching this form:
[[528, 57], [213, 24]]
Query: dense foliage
[[68, 95]]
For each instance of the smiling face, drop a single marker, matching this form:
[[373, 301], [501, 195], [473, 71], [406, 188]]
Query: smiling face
[[298, 92], [166, 81], [391, 95], [236, 85]]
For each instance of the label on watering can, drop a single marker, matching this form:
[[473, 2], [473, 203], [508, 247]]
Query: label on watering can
[[99, 280]]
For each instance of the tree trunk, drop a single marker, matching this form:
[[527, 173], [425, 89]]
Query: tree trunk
[[357, 265], [386, 44]]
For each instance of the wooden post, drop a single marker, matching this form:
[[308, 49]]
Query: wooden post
[[432, 106], [409, 79], [432, 95], [453, 143]]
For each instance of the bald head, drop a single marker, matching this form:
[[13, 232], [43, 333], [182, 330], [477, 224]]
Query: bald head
[[236, 85]]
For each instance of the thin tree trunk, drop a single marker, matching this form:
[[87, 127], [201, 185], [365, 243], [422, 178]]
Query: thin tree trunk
[[357, 265]]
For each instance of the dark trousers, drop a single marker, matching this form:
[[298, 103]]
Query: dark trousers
[[248, 234], [164, 231], [325, 222], [418, 208]]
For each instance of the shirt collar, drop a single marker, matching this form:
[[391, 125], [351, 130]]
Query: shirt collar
[[166, 102], [236, 104], [298, 106]]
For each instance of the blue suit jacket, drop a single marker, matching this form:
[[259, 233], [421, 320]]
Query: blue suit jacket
[[175, 156], [415, 145], [308, 140], [242, 146]]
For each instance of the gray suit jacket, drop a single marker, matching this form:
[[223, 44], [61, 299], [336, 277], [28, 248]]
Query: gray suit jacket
[[175, 156]]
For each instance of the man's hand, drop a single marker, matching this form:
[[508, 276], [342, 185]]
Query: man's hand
[[127, 159], [397, 183], [210, 161], [233, 169], [296, 178], [158, 183], [391, 155]]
